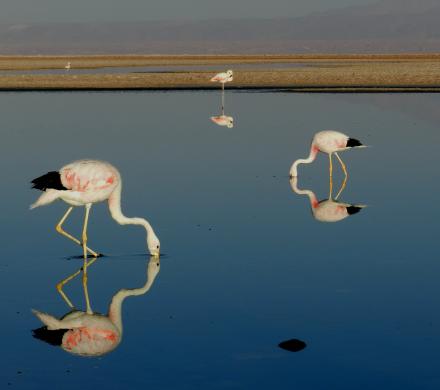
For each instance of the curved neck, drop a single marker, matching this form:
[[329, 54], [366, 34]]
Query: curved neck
[[115, 308], [312, 197], [313, 152], [114, 205]]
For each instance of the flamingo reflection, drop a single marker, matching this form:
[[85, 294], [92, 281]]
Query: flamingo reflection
[[223, 119], [87, 333], [327, 210]]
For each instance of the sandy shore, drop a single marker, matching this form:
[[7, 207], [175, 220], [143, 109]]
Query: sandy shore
[[419, 72]]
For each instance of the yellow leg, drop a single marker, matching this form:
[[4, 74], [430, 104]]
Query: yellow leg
[[61, 284], [330, 175], [344, 168], [59, 229], [342, 188], [84, 244]]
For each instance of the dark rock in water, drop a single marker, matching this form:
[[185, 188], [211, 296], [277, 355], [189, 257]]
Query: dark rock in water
[[293, 345]]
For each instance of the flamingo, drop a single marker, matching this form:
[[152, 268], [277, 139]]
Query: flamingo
[[328, 210], [224, 77], [330, 142], [82, 183], [87, 333], [67, 67]]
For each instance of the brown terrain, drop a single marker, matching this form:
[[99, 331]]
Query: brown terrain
[[363, 72]]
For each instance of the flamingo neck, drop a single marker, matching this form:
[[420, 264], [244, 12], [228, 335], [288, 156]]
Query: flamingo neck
[[115, 308], [114, 205], [313, 152], [312, 197]]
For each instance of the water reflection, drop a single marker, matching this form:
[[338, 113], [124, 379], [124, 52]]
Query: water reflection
[[86, 333], [327, 210], [223, 119]]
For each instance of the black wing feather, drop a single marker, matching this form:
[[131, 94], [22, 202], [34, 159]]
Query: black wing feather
[[49, 180], [352, 142], [52, 337]]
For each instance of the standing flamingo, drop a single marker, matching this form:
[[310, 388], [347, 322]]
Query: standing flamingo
[[87, 333], [224, 77], [330, 142], [82, 183], [67, 67]]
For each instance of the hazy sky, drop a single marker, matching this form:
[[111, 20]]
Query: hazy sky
[[28, 11]]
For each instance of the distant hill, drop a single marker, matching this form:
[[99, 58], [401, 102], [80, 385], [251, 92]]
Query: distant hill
[[389, 25]]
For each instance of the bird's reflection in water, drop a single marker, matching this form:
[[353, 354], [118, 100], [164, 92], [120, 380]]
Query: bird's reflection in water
[[327, 210], [223, 119], [91, 334]]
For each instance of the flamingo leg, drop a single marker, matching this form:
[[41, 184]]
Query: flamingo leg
[[344, 168], [342, 188], [59, 229], [330, 175], [223, 99], [84, 244], [61, 284]]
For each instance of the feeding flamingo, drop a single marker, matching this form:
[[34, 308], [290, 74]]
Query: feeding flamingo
[[330, 142], [82, 183], [328, 210], [87, 333]]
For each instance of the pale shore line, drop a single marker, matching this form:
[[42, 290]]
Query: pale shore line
[[320, 73]]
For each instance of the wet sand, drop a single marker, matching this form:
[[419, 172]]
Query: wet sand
[[321, 73]]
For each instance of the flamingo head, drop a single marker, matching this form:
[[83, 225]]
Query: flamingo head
[[229, 73], [153, 244]]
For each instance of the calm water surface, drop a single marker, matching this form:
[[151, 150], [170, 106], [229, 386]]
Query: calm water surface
[[246, 265]]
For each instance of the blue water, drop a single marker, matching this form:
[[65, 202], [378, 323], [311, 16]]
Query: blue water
[[245, 264]]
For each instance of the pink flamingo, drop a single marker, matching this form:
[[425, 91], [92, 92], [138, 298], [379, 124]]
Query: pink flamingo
[[87, 333], [330, 142], [224, 77], [82, 183]]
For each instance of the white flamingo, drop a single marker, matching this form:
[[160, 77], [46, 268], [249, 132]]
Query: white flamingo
[[68, 66], [327, 210], [82, 183], [223, 78], [87, 333], [330, 142]]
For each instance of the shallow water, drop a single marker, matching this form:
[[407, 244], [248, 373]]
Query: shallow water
[[159, 69], [246, 266]]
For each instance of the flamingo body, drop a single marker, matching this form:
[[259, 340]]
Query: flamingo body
[[83, 183], [224, 77]]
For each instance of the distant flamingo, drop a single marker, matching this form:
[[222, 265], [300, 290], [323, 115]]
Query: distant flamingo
[[328, 210], [224, 77], [87, 333], [68, 66], [329, 142]]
